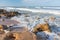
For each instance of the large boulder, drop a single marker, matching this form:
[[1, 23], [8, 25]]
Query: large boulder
[[21, 34], [41, 27]]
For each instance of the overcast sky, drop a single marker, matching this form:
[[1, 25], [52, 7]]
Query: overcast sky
[[29, 2]]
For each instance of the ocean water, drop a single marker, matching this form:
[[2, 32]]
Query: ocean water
[[30, 17], [30, 20]]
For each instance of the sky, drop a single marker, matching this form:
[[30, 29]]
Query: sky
[[29, 2]]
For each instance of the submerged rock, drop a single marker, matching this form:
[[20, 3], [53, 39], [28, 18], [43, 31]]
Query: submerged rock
[[47, 36]]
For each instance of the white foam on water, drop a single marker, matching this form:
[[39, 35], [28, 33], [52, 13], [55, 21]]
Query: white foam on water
[[55, 12], [48, 35], [31, 21]]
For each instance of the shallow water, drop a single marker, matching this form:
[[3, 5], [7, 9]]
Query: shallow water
[[31, 20]]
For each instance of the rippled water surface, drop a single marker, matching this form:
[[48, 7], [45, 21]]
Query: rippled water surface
[[30, 20]]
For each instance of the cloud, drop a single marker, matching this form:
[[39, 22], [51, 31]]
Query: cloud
[[41, 2], [34, 1]]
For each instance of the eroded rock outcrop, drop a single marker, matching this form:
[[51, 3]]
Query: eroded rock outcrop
[[41, 27], [20, 35], [8, 14]]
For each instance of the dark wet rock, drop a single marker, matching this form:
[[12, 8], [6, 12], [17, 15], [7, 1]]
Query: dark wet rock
[[8, 14]]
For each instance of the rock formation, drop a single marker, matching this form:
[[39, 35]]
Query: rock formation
[[19, 35], [41, 27], [8, 14]]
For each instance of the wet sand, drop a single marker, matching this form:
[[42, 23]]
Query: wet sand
[[8, 22]]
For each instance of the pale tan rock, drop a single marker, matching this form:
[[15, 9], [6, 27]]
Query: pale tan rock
[[20, 35]]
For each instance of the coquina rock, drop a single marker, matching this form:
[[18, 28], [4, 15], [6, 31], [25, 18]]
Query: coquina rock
[[41, 27], [22, 34]]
